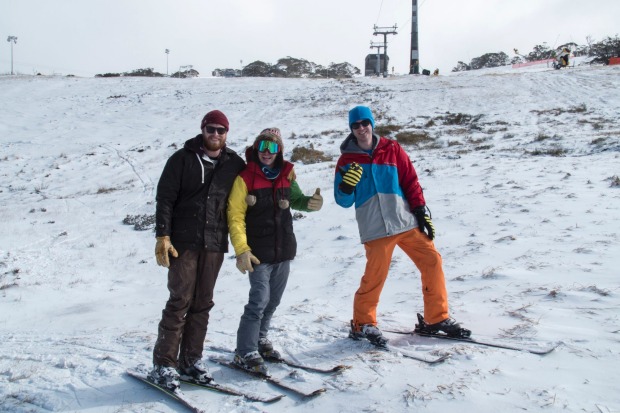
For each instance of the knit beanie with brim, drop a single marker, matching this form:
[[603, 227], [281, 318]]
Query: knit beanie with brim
[[270, 134]]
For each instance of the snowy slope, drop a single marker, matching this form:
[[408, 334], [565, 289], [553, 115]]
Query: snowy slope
[[520, 172]]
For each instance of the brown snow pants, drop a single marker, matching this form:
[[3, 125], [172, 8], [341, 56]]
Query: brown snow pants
[[422, 252], [183, 326]]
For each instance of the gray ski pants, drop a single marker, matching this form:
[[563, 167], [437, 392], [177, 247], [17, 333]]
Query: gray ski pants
[[267, 284]]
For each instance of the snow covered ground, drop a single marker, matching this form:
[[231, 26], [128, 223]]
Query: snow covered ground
[[520, 170]]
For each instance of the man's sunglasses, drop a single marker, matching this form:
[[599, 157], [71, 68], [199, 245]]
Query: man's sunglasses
[[268, 146], [212, 129], [363, 123]]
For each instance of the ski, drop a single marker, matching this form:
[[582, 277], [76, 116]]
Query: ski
[[382, 344], [312, 369], [177, 395], [268, 378], [541, 352], [395, 350], [234, 392], [291, 363], [420, 332], [211, 386], [416, 357]]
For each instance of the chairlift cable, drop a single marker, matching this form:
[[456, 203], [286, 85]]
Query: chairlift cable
[[379, 14]]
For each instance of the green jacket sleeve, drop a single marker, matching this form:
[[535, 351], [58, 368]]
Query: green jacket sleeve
[[299, 201]]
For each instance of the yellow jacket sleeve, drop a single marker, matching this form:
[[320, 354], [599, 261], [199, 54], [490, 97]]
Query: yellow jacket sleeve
[[236, 211]]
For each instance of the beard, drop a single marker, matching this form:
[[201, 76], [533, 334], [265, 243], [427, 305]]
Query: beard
[[214, 146]]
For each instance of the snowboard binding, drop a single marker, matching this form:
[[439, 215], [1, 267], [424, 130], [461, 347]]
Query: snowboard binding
[[448, 327]]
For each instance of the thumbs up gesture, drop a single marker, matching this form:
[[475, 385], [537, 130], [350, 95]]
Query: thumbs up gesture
[[316, 201]]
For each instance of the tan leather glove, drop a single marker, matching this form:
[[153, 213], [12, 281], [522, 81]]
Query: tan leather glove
[[316, 202], [162, 248], [245, 260]]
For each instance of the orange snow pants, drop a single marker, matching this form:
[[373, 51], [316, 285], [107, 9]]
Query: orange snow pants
[[422, 252]]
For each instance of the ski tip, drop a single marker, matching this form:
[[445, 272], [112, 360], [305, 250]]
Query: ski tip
[[274, 398], [547, 351], [441, 359], [315, 393]]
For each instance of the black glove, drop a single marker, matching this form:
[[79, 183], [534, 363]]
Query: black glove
[[351, 178], [424, 221]]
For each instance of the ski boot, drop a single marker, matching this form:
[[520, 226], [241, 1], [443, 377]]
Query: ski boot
[[369, 332], [266, 350], [448, 327], [252, 362], [196, 372], [165, 376]]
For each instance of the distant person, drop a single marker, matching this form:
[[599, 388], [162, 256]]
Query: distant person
[[436, 72], [192, 237], [261, 231], [564, 56], [376, 175]]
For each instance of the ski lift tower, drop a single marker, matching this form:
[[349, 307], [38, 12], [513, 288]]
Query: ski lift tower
[[378, 63], [414, 63], [12, 40], [385, 32], [167, 53]]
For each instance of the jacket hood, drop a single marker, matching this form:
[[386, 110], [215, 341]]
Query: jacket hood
[[194, 144], [349, 145]]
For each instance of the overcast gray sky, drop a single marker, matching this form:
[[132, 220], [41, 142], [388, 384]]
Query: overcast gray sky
[[85, 37]]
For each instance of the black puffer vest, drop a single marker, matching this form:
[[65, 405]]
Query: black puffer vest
[[269, 228]]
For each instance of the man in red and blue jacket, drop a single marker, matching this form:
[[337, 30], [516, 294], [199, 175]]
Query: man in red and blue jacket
[[377, 176]]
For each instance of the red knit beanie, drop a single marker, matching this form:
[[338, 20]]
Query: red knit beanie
[[215, 116]]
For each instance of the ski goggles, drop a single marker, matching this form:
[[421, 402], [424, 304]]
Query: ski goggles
[[364, 123], [268, 146]]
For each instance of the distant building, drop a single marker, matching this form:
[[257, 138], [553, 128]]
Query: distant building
[[226, 73], [371, 68]]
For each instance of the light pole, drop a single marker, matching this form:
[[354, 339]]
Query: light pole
[[12, 40], [167, 53]]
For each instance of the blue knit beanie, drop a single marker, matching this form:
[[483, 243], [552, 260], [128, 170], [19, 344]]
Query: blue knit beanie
[[360, 113]]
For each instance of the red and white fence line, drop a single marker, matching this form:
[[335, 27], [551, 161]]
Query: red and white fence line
[[535, 62]]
